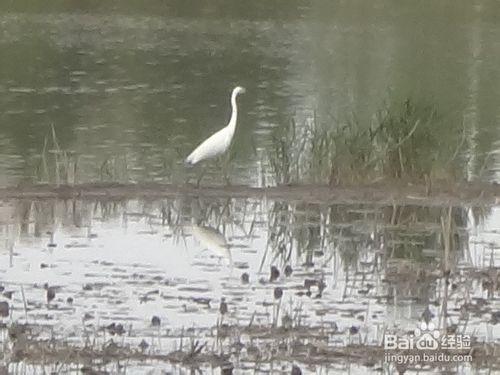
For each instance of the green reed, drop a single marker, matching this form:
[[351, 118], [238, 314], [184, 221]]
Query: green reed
[[404, 140]]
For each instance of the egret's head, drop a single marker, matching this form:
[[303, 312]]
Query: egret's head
[[238, 90]]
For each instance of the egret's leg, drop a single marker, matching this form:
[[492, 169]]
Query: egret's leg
[[196, 172], [225, 168], [200, 176], [187, 179], [220, 164]]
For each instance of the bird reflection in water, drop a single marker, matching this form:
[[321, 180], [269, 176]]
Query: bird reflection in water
[[213, 240]]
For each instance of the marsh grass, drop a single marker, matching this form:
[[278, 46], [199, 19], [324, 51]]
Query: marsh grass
[[404, 140], [114, 169], [59, 166], [56, 166]]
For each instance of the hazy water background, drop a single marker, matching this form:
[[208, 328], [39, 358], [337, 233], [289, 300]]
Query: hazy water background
[[149, 82]]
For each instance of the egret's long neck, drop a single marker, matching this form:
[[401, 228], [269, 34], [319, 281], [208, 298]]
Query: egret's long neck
[[234, 113]]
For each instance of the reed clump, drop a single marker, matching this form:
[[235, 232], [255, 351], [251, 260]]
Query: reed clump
[[403, 141]]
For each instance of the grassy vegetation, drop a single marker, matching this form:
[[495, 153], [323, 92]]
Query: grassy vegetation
[[59, 166], [403, 141], [56, 166]]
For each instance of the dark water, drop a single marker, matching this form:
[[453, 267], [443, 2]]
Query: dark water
[[138, 86]]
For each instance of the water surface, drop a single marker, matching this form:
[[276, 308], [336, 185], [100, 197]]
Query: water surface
[[139, 87], [376, 269]]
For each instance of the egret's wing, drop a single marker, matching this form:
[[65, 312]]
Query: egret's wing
[[213, 146]]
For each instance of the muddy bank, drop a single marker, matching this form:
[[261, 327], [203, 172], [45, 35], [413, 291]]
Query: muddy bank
[[473, 194]]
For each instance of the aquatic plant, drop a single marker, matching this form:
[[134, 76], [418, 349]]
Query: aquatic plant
[[56, 165], [403, 141]]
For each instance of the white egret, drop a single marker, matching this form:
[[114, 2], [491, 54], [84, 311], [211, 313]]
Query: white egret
[[218, 143]]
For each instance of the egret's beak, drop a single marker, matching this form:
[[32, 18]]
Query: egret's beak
[[243, 90]]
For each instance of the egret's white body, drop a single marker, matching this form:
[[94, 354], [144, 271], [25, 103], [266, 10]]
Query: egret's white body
[[219, 142]]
